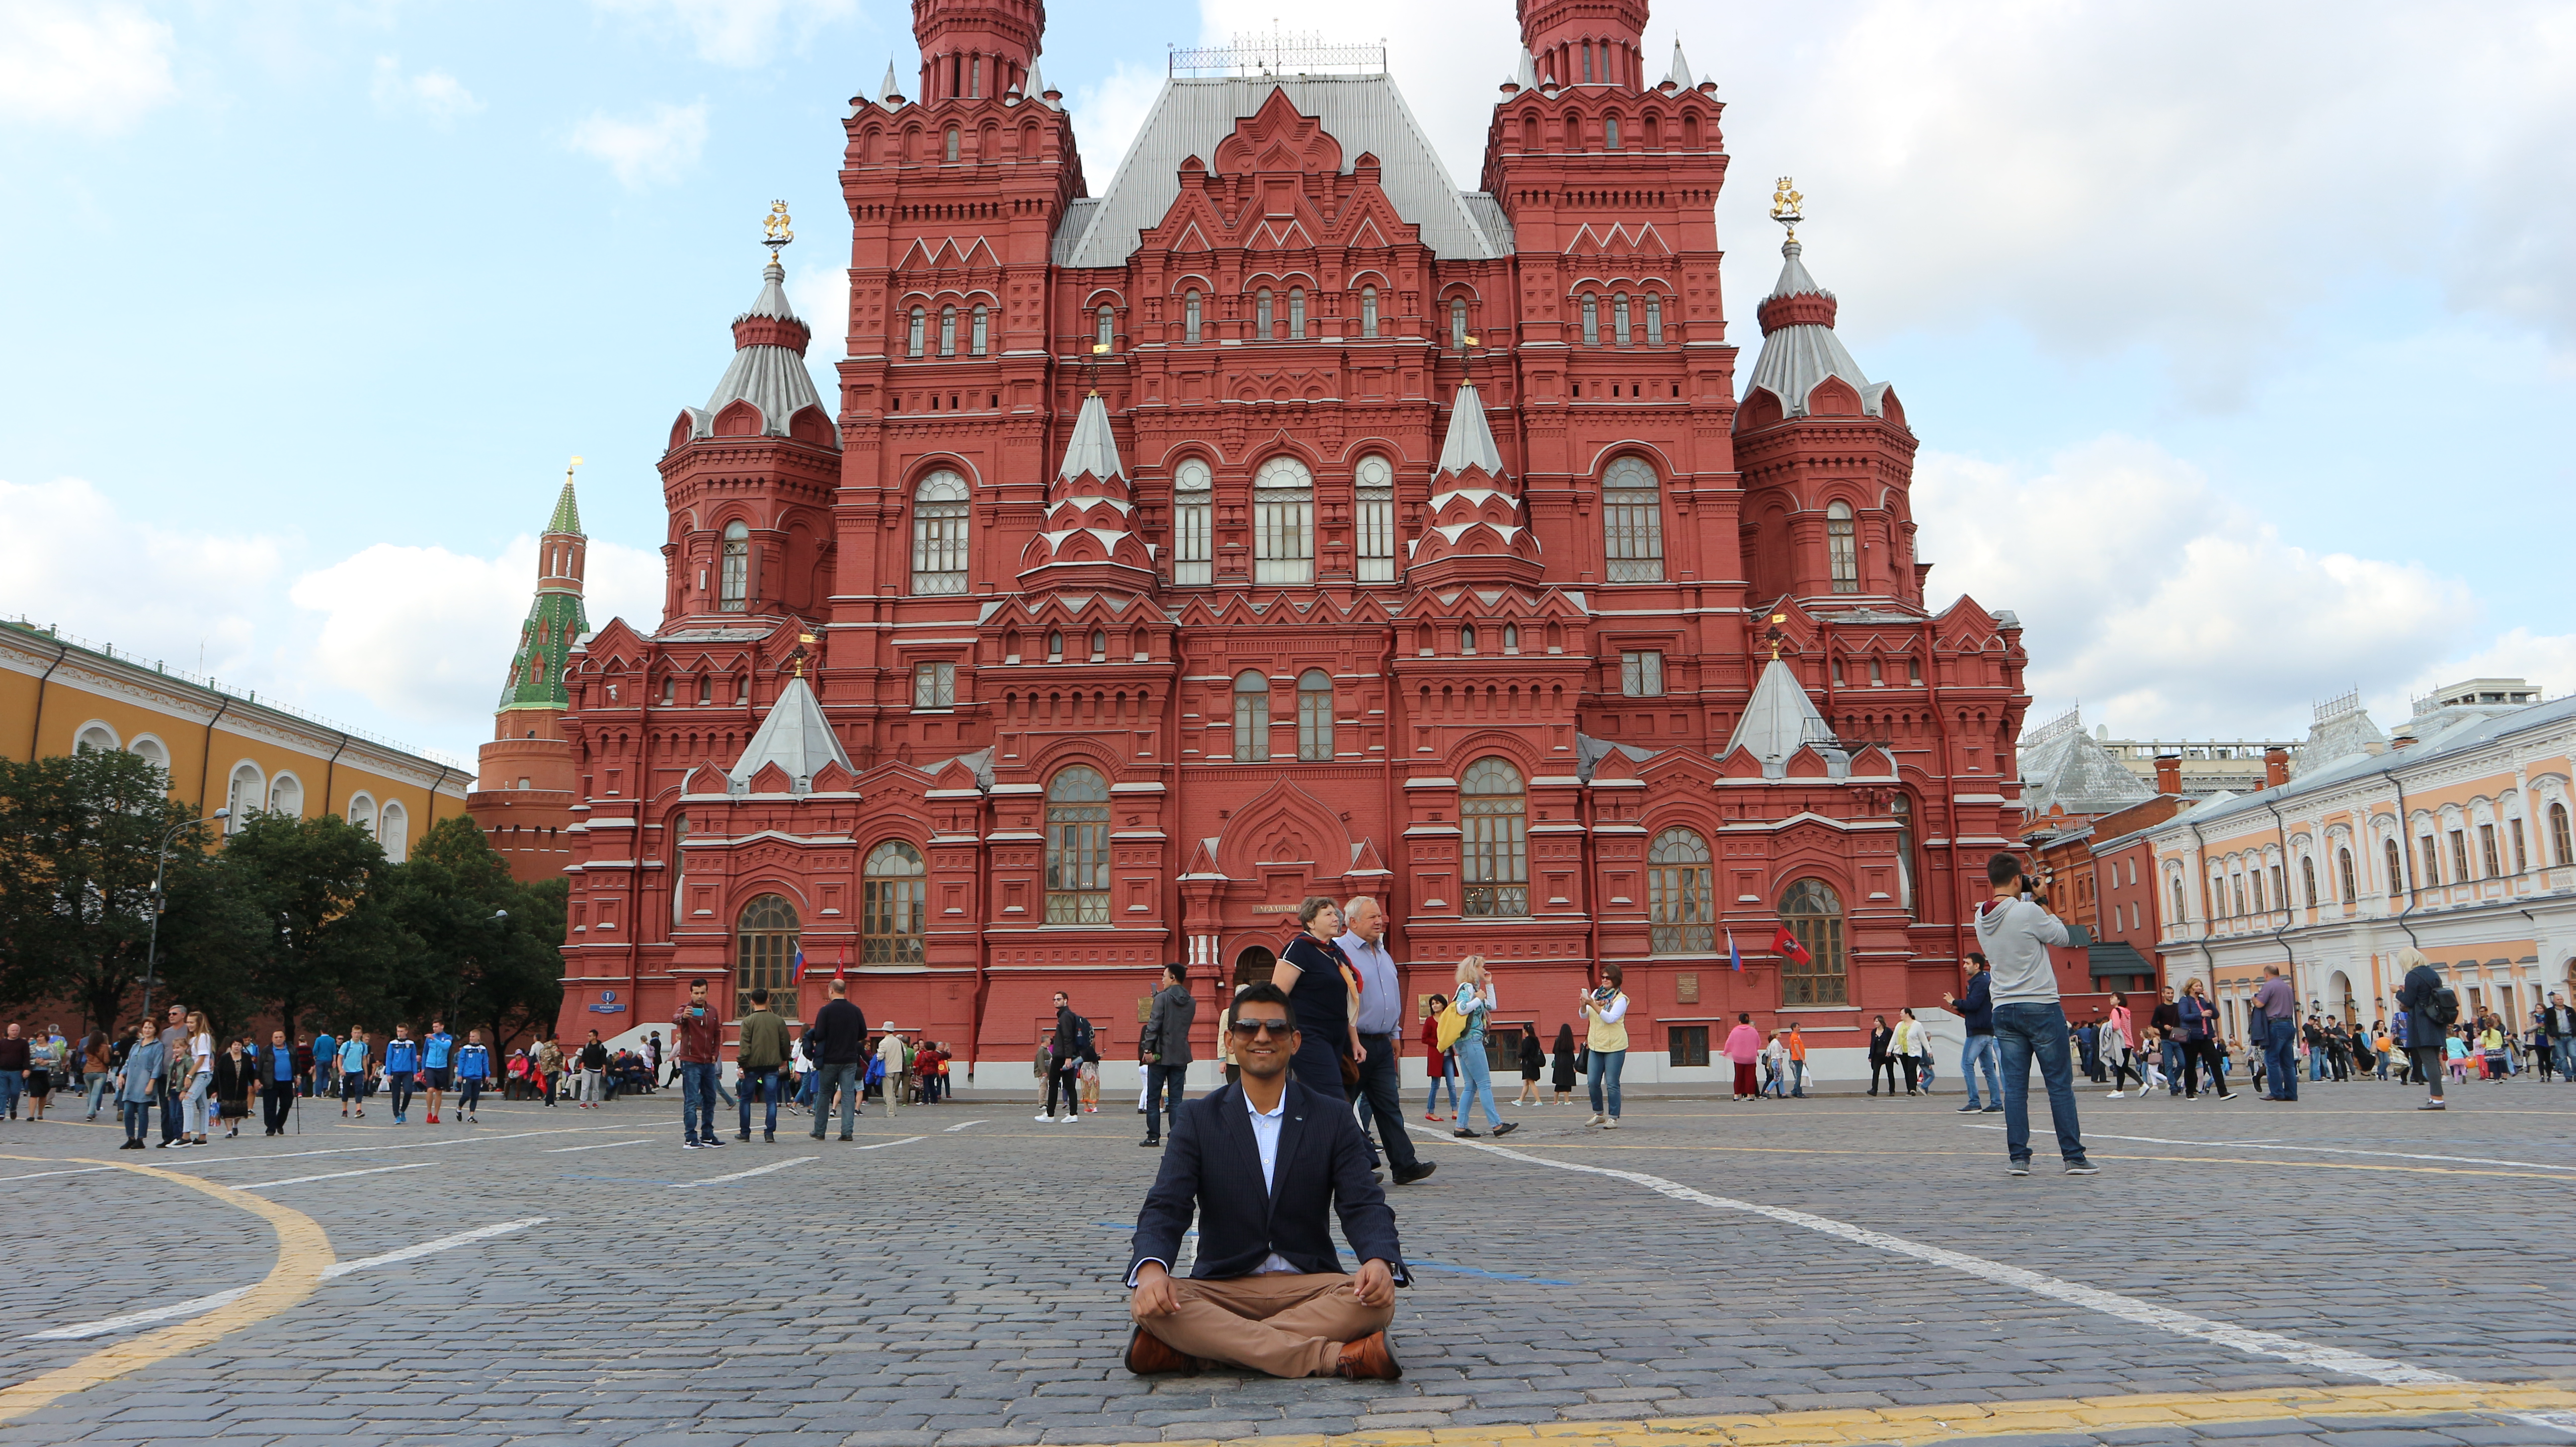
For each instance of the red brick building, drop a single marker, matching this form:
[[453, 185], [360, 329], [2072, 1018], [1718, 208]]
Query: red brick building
[[1283, 520], [526, 778]]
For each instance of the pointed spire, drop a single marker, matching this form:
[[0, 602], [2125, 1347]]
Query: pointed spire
[[555, 620], [1527, 76], [567, 518], [768, 368], [1038, 87], [795, 737], [890, 93], [1778, 720], [1680, 74], [1799, 347], [1094, 448], [1470, 442], [1794, 280]]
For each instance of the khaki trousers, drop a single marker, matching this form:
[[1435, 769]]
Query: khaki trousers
[[1285, 1324]]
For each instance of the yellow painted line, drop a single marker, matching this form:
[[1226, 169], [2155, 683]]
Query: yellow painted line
[[303, 1250], [1925, 1424]]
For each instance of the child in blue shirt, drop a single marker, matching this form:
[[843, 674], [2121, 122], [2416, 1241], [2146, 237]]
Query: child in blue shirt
[[353, 1073]]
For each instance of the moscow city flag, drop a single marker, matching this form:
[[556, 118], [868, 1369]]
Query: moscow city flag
[[1786, 944]]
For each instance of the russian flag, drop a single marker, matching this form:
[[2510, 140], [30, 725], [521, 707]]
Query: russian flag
[[1734, 961], [800, 959]]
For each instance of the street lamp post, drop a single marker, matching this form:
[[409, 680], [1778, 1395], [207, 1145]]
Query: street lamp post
[[152, 951]]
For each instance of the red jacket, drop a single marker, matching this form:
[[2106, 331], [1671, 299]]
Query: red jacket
[[694, 1042]]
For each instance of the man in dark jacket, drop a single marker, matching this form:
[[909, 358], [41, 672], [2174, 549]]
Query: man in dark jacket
[[1165, 1050], [2167, 1023], [834, 1044], [1263, 1165], [2427, 1032], [697, 1032], [1977, 1011], [276, 1067], [2558, 1034], [760, 1048], [1067, 1049]]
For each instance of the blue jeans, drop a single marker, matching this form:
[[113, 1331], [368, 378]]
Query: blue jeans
[[2024, 1033], [1604, 1075], [2281, 1057], [1980, 1050], [1448, 1076], [767, 1081], [698, 1099], [1473, 1065], [2565, 1049], [138, 1118], [2170, 1058], [1163, 1093], [827, 1079], [2317, 1064], [13, 1083]]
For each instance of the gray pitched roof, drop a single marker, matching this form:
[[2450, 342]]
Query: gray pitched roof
[[1470, 442], [1779, 719], [2072, 769], [794, 737], [771, 378], [1795, 358], [1363, 112], [1589, 752], [1680, 74], [2463, 732], [1094, 448]]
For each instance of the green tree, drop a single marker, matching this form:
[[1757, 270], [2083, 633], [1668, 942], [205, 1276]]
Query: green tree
[[80, 837], [487, 950], [310, 920]]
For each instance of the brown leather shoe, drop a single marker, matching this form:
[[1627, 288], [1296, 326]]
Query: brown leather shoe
[[1368, 1360], [1148, 1354]]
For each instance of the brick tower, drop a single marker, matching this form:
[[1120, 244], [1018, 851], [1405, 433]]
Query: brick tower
[[527, 777]]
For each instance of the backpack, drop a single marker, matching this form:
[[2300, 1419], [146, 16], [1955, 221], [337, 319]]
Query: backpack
[[1452, 1025], [2444, 1006], [1083, 1045]]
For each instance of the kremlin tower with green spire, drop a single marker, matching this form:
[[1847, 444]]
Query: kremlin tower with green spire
[[525, 788]]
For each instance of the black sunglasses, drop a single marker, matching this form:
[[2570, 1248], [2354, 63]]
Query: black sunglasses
[[1249, 1028]]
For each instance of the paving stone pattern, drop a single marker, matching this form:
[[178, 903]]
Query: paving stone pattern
[[960, 1290]]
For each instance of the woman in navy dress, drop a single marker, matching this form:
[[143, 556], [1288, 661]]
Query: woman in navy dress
[[1317, 977]]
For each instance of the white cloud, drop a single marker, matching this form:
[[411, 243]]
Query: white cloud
[[426, 634], [433, 94], [821, 295], [733, 32], [1107, 115], [2547, 661], [71, 559], [89, 67], [2167, 608], [648, 151]]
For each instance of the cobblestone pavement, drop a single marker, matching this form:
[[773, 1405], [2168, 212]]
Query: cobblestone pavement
[[951, 1278]]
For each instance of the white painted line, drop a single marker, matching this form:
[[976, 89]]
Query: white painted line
[[745, 1175], [459, 1140], [332, 1176], [138, 1318], [907, 1140], [2127, 1308], [602, 1146], [338, 1268], [426, 1248], [961, 1125], [40, 1175], [2157, 1140]]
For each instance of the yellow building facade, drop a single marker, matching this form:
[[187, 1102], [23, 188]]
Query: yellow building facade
[[2457, 837], [221, 749]]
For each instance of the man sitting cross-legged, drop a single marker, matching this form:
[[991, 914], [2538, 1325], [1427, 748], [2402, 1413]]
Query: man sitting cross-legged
[[1261, 1163]]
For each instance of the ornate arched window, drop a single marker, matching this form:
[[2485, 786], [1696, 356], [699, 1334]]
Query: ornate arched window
[[948, 331], [1591, 320], [1493, 814], [1314, 715], [1251, 717], [249, 787], [1192, 496], [286, 796], [1654, 320], [2396, 868], [95, 739], [2343, 875], [2308, 878], [1457, 321], [948, 152], [764, 955], [733, 578], [1104, 328], [1619, 318], [1843, 547], [1193, 310], [1632, 522], [393, 831], [1283, 523], [149, 750], [1262, 314], [2562, 850], [1467, 640], [2181, 900], [982, 334], [893, 901], [1610, 132], [1368, 311], [1373, 494], [1679, 904], [1297, 313], [1511, 638], [914, 336], [1077, 857], [1055, 646], [1814, 913], [362, 812], [1099, 645], [939, 534]]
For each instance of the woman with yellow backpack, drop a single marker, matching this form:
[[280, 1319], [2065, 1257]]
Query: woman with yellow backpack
[[1473, 1004], [1437, 1036]]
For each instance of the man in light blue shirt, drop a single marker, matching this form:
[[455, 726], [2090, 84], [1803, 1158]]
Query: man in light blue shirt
[[326, 1066], [1381, 1015], [353, 1073]]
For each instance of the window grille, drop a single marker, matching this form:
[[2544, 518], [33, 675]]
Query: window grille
[[1494, 817], [1632, 522], [1283, 523], [939, 534], [1374, 494], [1192, 561]]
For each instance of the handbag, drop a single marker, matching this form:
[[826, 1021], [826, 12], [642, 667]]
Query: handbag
[[1452, 1025]]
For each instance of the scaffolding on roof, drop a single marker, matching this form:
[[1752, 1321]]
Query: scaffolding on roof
[[1277, 53]]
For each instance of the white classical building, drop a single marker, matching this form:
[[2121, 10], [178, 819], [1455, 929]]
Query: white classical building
[[2454, 837]]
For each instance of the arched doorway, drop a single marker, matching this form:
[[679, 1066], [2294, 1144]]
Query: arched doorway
[[1254, 965], [766, 955], [2339, 1000]]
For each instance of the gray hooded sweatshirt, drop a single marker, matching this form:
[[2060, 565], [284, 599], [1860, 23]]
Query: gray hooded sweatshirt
[[2015, 935]]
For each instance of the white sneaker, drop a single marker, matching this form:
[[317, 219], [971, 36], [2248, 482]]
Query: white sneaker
[[1072, 1120], [1596, 1120], [1048, 1117], [1611, 1124], [2115, 1095]]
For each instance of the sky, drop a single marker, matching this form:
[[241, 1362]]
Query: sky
[[2238, 339]]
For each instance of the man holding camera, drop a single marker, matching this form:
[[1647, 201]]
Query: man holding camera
[[2016, 930]]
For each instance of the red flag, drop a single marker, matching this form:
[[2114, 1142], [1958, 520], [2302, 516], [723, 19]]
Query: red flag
[[841, 962], [1785, 944]]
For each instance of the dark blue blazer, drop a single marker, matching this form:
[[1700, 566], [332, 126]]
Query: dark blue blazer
[[1212, 1169]]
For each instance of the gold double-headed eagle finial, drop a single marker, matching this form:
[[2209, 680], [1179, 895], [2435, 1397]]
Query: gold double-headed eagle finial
[[1786, 204], [775, 228]]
